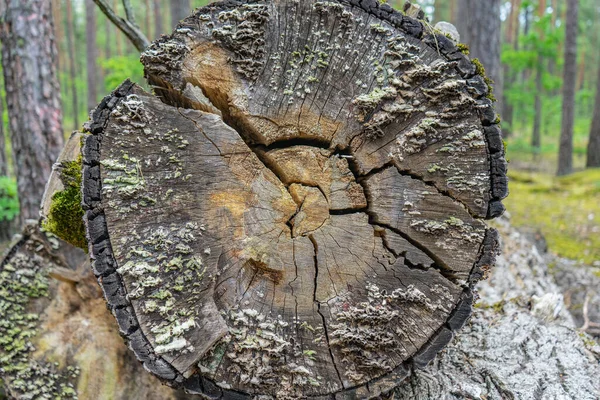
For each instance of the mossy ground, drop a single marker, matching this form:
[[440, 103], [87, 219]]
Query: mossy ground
[[566, 210]]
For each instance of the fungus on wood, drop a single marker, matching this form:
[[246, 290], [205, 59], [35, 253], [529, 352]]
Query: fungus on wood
[[298, 210]]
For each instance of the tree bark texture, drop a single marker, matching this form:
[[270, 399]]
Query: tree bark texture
[[593, 149], [32, 95], [521, 342], [91, 54], [299, 212], [479, 25], [565, 155]]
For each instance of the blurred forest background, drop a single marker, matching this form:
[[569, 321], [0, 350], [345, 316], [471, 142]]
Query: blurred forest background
[[547, 85]]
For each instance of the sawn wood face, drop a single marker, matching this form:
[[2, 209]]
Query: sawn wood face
[[298, 212]]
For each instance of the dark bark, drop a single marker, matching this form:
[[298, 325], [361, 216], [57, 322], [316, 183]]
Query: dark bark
[[565, 156], [91, 54], [479, 25], [593, 149], [70, 29], [32, 95], [179, 10]]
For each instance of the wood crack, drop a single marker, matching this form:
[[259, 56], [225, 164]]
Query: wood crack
[[325, 330]]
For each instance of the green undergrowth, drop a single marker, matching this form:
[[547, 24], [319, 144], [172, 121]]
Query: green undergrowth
[[65, 218], [566, 210]]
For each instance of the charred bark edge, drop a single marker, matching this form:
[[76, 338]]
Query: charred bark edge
[[104, 263]]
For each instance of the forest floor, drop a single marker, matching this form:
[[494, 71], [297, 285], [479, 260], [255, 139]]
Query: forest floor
[[565, 210]]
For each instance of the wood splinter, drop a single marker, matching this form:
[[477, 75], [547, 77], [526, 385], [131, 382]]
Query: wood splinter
[[298, 211]]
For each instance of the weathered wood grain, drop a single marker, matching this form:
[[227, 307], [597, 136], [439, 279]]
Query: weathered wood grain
[[298, 212]]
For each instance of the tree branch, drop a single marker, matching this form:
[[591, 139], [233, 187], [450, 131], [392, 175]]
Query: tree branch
[[129, 11], [127, 26]]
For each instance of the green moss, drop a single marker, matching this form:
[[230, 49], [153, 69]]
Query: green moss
[[65, 218], [463, 48], [497, 307], [564, 209], [480, 70]]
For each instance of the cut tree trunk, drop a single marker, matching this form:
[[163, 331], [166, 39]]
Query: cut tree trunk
[[299, 211]]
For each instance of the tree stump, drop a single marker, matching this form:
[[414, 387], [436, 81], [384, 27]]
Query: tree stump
[[298, 211]]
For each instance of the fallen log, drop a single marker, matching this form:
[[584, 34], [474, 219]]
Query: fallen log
[[57, 338], [299, 210]]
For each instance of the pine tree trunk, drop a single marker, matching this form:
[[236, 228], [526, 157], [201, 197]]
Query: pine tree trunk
[[593, 149], [72, 64], [58, 31], [91, 54], [179, 10], [158, 18], [148, 19], [565, 156], [536, 140], [32, 95], [480, 28], [512, 39]]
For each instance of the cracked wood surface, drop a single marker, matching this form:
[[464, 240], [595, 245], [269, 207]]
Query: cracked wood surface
[[298, 212]]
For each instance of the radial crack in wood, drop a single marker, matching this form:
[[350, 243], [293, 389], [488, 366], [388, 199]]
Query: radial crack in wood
[[296, 213]]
